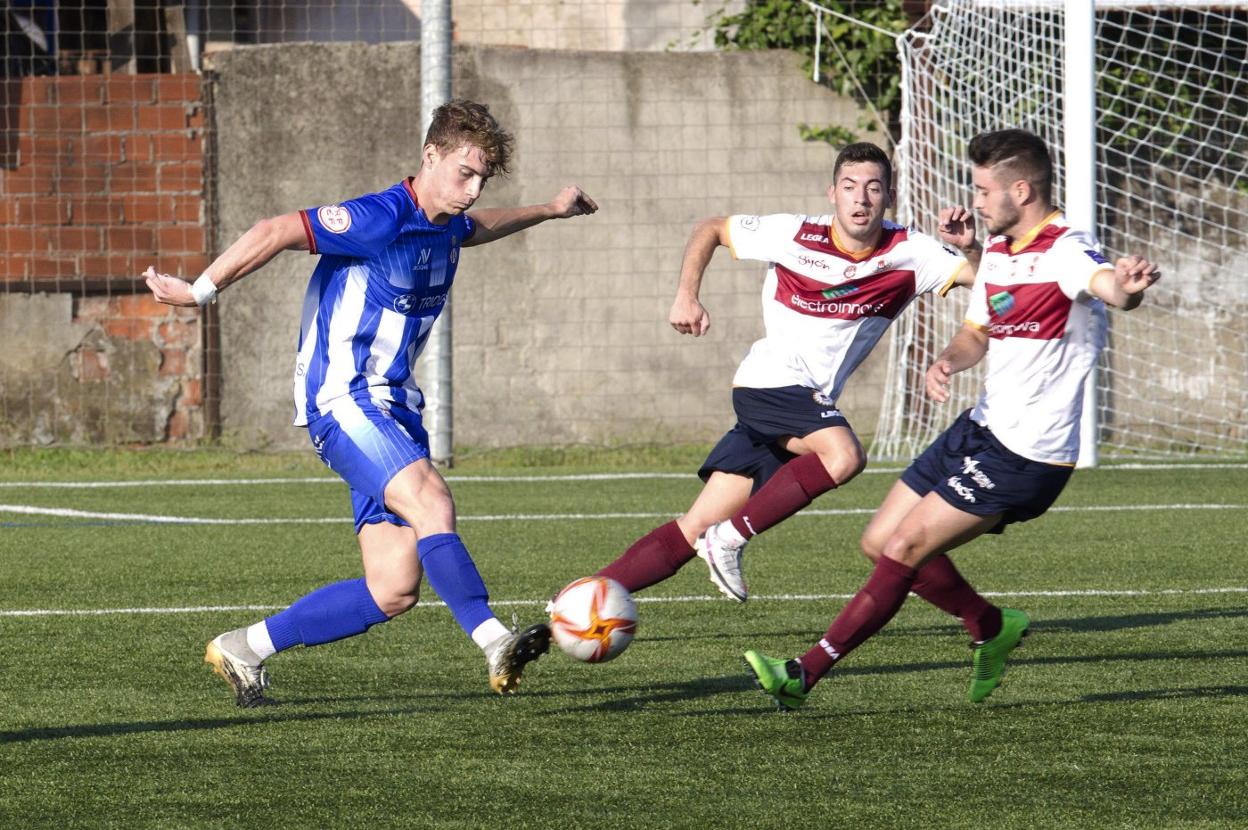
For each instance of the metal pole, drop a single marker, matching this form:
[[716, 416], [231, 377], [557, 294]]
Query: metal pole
[[435, 90], [1079, 97]]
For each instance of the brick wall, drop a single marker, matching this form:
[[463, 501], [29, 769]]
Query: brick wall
[[101, 176]]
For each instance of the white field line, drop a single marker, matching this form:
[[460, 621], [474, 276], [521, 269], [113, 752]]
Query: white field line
[[70, 513], [213, 609], [225, 482]]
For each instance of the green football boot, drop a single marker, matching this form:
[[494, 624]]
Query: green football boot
[[781, 679], [988, 661]]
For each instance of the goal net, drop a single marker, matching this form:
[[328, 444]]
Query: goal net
[[1172, 184]]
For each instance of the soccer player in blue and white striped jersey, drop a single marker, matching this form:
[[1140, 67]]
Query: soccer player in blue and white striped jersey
[[387, 263]]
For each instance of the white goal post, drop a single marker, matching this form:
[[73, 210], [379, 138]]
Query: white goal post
[[1171, 183]]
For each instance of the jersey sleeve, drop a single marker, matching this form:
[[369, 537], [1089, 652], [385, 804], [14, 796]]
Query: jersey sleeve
[[358, 227], [936, 267], [977, 311], [1076, 259], [761, 237]]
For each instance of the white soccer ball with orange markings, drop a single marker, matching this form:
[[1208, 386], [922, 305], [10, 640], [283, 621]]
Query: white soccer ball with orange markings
[[593, 619]]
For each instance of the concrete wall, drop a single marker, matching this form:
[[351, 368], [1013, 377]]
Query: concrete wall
[[560, 332]]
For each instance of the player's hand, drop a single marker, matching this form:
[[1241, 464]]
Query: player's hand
[[957, 227], [572, 201], [688, 316], [169, 290], [937, 380], [1134, 274]]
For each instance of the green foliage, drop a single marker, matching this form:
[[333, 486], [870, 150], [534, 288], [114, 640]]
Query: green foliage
[[854, 60], [833, 134]]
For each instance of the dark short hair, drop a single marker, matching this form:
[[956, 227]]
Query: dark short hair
[[1023, 154], [861, 152], [460, 122]]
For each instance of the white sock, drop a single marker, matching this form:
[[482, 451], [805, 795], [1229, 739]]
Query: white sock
[[488, 631], [259, 641]]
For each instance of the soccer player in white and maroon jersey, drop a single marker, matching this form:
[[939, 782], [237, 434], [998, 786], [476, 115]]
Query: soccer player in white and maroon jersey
[[1033, 310], [387, 263], [834, 284]]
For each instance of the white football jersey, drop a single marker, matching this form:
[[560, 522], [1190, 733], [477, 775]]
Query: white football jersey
[[824, 309], [1045, 332]]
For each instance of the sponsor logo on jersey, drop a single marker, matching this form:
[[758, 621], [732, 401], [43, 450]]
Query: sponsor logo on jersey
[[334, 218], [839, 291], [1002, 303], [814, 237], [422, 264], [1096, 257], [813, 262], [1008, 329], [405, 303]]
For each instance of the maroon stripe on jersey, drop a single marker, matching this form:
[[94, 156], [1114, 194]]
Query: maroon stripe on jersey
[[411, 191], [1036, 311], [819, 238], [880, 295], [307, 229]]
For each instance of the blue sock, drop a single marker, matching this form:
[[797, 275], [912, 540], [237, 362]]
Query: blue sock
[[341, 609], [452, 574]]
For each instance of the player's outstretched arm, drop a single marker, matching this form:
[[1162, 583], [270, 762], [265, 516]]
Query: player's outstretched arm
[[1124, 286], [957, 228], [966, 349], [251, 251], [688, 316], [495, 223]]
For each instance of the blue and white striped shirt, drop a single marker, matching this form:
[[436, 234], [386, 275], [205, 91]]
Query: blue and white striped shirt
[[383, 278]]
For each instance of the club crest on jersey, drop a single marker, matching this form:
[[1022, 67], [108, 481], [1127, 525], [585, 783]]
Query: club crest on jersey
[[1002, 303], [850, 270], [334, 218], [749, 223]]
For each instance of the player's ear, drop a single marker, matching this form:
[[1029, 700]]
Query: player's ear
[[1023, 191], [831, 191], [430, 155]]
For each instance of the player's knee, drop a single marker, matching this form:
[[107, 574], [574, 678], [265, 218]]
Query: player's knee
[[844, 464], [395, 600], [904, 547], [871, 545]]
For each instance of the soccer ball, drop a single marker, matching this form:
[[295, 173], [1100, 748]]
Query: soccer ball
[[593, 619]]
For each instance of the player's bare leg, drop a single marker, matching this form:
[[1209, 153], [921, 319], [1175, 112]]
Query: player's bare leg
[[664, 550]]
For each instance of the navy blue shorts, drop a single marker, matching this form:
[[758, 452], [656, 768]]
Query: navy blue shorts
[[367, 446], [764, 417], [970, 469]]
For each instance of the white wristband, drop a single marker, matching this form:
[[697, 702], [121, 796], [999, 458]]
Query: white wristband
[[203, 290]]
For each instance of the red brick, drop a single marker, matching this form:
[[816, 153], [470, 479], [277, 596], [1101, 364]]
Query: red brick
[[172, 362], [67, 238], [157, 117], [144, 210], [139, 305], [76, 90], [178, 333], [29, 180], [41, 90], [192, 393], [90, 309], [187, 209], [138, 147], [90, 365], [184, 145], [130, 89], [103, 210], [178, 427], [191, 265], [127, 238], [83, 184], [53, 119], [181, 177], [104, 147], [53, 266], [14, 267], [180, 238], [42, 211], [128, 328], [133, 177], [14, 240], [182, 87], [111, 266]]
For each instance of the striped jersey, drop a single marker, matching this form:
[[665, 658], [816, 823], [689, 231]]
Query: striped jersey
[[383, 277], [1045, 330], [824, 309]]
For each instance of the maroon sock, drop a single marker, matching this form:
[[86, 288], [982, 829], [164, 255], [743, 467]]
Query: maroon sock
[[794, 486], [940, 584], [652, 558], [873, 606]]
